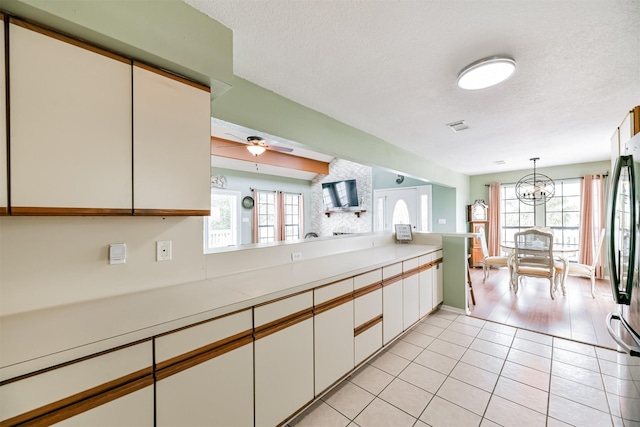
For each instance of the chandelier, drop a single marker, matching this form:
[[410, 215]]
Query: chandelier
[[535, 189]]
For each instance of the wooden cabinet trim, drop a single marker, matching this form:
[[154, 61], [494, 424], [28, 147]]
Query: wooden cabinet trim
[[392, 280], [332, 303], [367, 325], [188, 360], [71, 362], [50, 211], [202, 322], [279, 299], [426, 267], [4, 211], [367, 289], [282, 323], [170, 212], [411, 272], [67, 39], [172, 76], [83, 401]]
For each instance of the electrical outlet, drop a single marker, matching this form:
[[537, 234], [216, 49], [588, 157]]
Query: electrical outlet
[[442, 221], [163, 250], [296, 256]]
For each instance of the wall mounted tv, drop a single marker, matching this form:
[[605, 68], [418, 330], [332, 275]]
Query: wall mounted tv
[[340, 194]]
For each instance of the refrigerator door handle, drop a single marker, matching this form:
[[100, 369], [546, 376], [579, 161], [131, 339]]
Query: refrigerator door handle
[[632, 350]]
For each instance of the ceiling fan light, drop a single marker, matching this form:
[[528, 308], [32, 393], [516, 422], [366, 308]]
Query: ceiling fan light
[[486, 72], [256, 150]]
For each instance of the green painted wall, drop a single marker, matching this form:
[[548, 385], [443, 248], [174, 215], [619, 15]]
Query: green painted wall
[[479, 190], [454, 251], [444, 207]]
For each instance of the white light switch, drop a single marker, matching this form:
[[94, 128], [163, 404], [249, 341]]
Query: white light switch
[[117, 253], [442, 220], [163, 250]]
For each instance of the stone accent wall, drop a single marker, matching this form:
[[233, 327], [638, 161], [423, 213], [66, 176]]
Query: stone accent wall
[[342, 222]]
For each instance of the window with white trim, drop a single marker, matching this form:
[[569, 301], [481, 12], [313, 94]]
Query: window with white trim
[[279, 216], [221, 227]]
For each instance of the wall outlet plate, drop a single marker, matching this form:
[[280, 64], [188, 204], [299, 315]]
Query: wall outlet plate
[[163, 250], [296, 256]]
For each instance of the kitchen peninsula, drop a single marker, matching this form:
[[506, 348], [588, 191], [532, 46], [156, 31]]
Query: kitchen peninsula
[[150, 339]]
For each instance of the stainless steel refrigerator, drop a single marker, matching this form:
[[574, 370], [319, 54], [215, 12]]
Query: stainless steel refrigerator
[[623, 231]]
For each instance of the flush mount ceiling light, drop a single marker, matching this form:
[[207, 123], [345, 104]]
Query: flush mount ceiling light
[[486, 72]]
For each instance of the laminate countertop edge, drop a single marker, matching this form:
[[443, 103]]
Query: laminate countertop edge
[[42, 338]]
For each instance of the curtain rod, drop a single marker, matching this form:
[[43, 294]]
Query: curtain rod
[[604, 175]]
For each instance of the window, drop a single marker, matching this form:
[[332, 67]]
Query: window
[[516, 216], [266, 211], [561, 213], [292, 213], [221, 227], [279, 216]]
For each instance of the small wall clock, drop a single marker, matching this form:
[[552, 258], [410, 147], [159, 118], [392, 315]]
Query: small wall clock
[[247, 202]]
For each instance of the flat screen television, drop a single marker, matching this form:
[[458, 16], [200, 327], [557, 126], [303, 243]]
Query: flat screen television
[[340, 194]]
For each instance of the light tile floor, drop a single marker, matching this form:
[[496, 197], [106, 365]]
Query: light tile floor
[[454, 370]]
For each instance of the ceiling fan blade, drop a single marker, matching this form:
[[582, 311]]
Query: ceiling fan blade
[[280, 149], [229, 146], [243, 140]]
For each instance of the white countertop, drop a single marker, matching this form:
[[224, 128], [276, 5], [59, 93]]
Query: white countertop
[[41, 338]]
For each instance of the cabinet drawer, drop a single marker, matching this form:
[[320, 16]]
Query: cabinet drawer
[[425, 259], [391, 270], [367, 279], [410, 264], [185, 340], [367, 343], [76, 381], [332, 291], [282, 308], [367, 307]]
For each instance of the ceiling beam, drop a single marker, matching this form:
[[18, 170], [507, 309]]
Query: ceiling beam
[[236, 150]]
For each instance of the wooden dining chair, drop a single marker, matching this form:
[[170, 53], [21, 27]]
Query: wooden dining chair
[[534, 258], [490, 261]]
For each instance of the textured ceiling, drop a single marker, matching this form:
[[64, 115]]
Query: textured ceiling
[[389, 68]]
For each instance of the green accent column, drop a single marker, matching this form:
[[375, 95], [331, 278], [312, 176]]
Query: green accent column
[[454, 253]]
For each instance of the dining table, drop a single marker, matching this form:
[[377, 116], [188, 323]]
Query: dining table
[[562, 252]]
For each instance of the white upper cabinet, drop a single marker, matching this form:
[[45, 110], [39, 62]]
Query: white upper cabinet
[[70, 140], [4, 202], [171, 144]]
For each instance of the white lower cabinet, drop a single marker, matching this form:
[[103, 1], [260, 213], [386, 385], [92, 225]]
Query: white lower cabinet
[[132, 410], [392, 296], [333, 333], [438, 282], [410, 293], [426, 285], [367, 314], [205, 373], [283, 358], [111, 388]]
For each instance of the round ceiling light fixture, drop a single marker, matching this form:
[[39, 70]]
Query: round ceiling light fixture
[[486, 72]]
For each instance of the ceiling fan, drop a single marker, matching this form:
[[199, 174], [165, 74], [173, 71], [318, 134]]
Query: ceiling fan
[[257, 145]]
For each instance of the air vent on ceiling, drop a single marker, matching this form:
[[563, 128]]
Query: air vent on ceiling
[[458, 126]]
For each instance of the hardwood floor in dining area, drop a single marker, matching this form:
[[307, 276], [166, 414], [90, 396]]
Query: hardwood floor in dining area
[[576, 316]]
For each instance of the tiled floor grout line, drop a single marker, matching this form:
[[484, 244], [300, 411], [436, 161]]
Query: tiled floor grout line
[[520, 342]]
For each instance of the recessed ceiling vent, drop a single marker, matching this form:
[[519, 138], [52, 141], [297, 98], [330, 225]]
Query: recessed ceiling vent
[[458, 126]]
